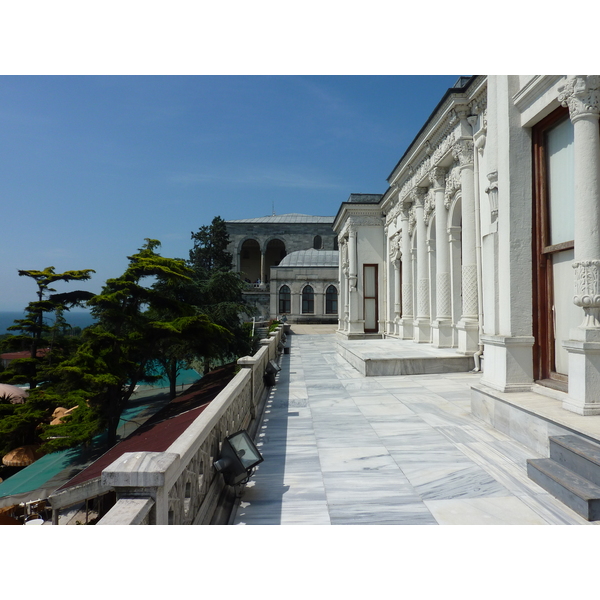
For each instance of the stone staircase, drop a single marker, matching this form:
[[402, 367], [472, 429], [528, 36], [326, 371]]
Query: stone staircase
[[571, 474]]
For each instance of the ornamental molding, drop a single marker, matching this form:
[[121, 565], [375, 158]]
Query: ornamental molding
[[418, 196], [462, 150], [492, 192], [393, 213], [437, 177], [429, 206], [582, 95], [587, 291], [396, 247], [412, 220], [452, 185], [365, 220]]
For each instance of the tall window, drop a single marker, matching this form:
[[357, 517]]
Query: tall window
[[308, 300], [554, 311], [317, 242], [331, 301], [284, 300]]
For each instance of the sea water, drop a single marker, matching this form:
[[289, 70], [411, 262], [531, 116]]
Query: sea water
[[84, 319], [74, 318]]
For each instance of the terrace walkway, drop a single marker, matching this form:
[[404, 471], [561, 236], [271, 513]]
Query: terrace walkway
[[340, 448]]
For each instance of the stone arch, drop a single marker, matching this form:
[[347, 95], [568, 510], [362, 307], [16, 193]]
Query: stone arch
[[250, 259], [274, 251]]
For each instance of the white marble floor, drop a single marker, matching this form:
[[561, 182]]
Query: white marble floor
[[340, 448]]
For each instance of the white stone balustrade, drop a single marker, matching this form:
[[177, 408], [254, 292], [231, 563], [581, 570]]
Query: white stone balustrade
[[180, 486]]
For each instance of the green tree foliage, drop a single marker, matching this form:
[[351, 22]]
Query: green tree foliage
[[209, 253], [36, 335], [136, 325], [218, 291]]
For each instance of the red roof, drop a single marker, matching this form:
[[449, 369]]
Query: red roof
[[24, 354], [163, 428]]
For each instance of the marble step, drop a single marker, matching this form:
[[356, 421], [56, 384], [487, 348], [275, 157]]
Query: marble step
[[577, 455], [578, 493]]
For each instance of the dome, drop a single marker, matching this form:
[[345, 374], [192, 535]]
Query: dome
[[311, 258]]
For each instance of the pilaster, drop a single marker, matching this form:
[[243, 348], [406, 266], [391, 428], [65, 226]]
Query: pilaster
[[582, 95]]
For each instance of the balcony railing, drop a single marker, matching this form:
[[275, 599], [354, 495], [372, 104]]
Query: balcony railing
[[180, 486]]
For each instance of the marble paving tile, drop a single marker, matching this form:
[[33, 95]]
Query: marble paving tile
[[385, 410], [381, 514], [440, 483], [509, 474], [297, 513], [553, 511], [418, 440], [368, 486], [364, 458], [498, 510], [383, 398], [456, 434]]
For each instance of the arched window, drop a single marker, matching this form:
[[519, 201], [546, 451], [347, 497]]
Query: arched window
[[331, 301], [335, 243], [308, 300], [284, 300], [317, 242]]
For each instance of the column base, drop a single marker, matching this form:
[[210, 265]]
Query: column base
[[468, 336], [508, 365], [584, 372], [405, 329], [422, 331], [356, 327], [441, 330]]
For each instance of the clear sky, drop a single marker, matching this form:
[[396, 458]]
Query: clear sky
[[92, 165]]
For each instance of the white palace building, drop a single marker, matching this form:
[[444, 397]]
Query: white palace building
[[487, 242]]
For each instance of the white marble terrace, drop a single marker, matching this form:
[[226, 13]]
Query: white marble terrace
[[341, 448]]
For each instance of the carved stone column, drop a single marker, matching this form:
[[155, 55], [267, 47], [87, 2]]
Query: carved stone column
[[406, 323], [262, 267], [468, 327], [354, 326], [582, 95], [422, 324], [397, 262], [442, 326]]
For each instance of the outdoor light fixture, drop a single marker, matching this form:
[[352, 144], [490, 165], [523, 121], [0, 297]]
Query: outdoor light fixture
[[271, 370], [239, 456]]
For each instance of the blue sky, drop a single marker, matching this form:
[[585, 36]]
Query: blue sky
[[92, 165]]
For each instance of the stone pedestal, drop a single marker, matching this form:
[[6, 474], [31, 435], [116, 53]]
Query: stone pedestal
[[442, 334], [508, 362]]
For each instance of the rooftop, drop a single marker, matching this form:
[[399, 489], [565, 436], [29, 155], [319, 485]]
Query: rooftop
[[311, 258], [288, 218]]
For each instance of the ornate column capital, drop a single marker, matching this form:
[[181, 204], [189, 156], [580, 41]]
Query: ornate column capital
[[582, 95], [463, 152], [418, 196], [587, 291], [437, 177]]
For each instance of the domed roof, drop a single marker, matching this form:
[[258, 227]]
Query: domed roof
[[311, 258], [17, 395]]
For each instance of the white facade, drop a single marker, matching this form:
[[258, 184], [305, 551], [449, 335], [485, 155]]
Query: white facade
[[305, 288], [488, 237]]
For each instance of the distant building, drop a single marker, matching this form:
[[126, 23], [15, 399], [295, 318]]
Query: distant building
[[261, 245]]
